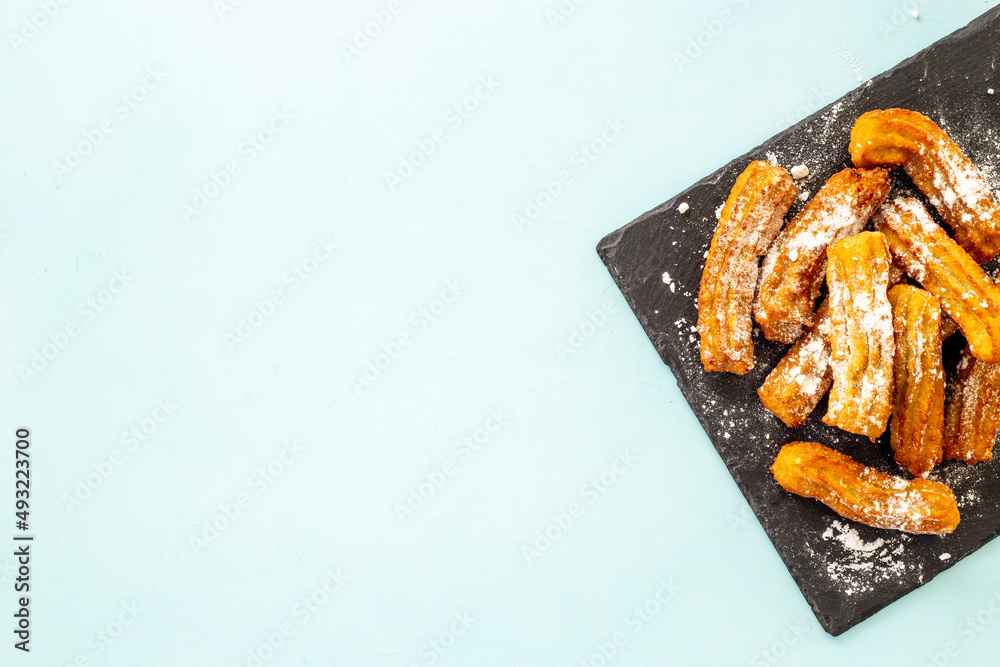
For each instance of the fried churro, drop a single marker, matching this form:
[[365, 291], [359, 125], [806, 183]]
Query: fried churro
[[861, 338], [794, 387], [937, 262], [917, 426], [973, 415], [897, 137], [751, 217], [795, 265], [803, 376], [860, 493]]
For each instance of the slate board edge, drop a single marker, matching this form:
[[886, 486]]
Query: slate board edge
[[606, 250]]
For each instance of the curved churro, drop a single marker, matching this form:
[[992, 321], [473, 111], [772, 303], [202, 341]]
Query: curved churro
[[861, 338], [894, 137], [864, 494], [751, 218], [973, 416], [934, 260], [794, 267], [917, 424]]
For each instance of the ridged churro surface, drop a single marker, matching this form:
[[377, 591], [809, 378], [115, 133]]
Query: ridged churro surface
[[898, 137], [973, 416], [751, 217], [861, 337], [934, 260], [917, 426], [795, 265]]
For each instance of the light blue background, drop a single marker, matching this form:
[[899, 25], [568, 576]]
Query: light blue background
[[672, 514]]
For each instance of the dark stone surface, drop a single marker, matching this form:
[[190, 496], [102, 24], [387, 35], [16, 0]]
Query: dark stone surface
[[948, 81]]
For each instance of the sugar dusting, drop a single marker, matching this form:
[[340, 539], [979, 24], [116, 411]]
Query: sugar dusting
[[861, 317], [858, 566]]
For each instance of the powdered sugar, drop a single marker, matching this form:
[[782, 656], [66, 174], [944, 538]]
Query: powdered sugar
[[850, 538], [859, 566], [958, 179]]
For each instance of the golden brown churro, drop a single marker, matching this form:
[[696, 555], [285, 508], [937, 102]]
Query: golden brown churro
[[751, 218], [973, 416], [861, 338], [917, 426], [894, 137], [864, 494], [803, 376], [934, 260], [798, 383], [794, 267]]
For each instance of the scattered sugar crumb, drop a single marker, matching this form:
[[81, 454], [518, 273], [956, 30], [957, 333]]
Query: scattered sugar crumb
[[945, 556], [683, 208], [803, 195], [800, 171], [772, 158], [718, 211], [851, 539], [989, 91], [855, 64], [915, 13], [862, 565]]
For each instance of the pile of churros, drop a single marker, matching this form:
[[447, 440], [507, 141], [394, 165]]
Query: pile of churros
[[893, 294]]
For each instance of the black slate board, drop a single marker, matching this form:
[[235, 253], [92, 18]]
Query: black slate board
[[846, 571]]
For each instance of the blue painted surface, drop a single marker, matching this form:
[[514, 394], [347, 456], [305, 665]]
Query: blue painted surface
[[320, 365]]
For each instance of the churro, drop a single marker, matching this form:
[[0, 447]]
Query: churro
[[897, 137], [917, 425], [751, 217], [860, 493], [795, 265], [861, 338], [973, 415], [937, 262]]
